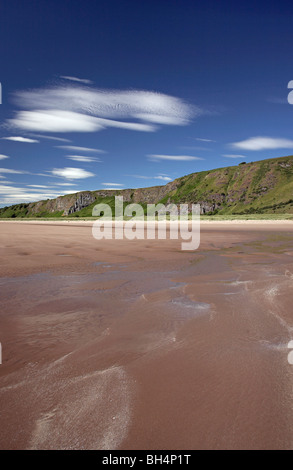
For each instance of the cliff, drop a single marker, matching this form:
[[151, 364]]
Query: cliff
[[259, 187]]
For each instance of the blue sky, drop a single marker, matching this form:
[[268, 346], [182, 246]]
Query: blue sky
[[118, 94]]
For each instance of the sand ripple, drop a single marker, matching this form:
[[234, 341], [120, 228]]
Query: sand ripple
[[91, 412]]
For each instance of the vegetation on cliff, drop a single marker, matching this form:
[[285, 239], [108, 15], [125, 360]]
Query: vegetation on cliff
[[263, 187]]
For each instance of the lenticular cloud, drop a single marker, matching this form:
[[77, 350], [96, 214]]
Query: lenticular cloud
[[54, 120], [85, 109], [71, 173]]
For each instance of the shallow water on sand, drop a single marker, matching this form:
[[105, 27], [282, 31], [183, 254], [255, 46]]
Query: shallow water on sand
[[154, 350]]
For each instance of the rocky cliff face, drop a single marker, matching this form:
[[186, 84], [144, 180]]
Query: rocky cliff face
[[66, 204], [82, 200], [150, 195], [76, 202]]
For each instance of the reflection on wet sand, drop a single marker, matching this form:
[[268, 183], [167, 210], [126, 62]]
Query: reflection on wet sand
[[136, 344]]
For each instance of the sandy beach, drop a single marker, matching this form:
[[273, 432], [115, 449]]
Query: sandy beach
[[136, 344]]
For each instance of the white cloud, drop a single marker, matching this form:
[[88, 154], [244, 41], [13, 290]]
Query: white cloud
[[106, 108], [55, 121], [21, 139], [263, 143], [79, 158], [68, 121], [163, 178], [173, 157], [71, 173], [3, 157], [69, 191], [108, 103], [47, 175], [79, 149], [204, 140], [112, 184], [14, 195], [140, 176], [40, 186], [113, 189], [233, 156], [75, 79], [64, 184], [60, 139], [161, 119], [131, 126], [10, 171]]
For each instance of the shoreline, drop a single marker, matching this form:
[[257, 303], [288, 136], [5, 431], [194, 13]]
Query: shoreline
[[202, 222]]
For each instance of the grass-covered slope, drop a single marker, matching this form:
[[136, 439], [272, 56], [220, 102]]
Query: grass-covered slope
[[259, 187], [263, 187]]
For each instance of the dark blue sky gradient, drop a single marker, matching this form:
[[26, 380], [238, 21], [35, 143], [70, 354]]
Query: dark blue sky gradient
[[232, 60]]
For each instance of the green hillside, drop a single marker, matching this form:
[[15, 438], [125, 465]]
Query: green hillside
[[259, 187], [263, 187]]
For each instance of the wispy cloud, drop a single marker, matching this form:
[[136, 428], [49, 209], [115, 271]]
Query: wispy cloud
[[80, 158], [59, 139], [3, 157], [14, 194], [72, 173], [162, 177], [263, 143], [68, 121], [204, 140], [55, 121], [75, 79], [64, 184], [140, 176], [21, 139], [10, 171], [181, 158], [39, 186], [80, 109], [233, 156], [79, 149], [112, 184]]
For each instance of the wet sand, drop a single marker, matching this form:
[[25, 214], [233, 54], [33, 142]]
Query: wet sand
[[119, 344]]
